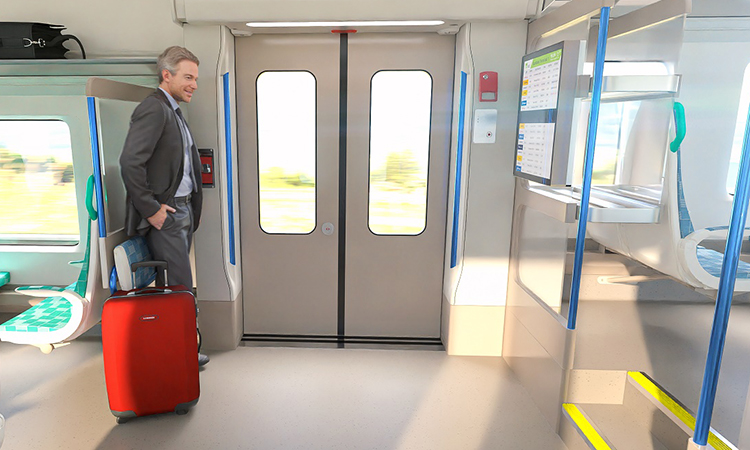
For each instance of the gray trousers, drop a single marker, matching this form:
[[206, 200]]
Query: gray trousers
[[172, 244]]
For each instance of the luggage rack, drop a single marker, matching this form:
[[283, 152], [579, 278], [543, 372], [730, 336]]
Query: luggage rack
[[608, 204], [622, 88]]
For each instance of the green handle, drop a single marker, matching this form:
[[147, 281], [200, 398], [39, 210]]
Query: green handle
[[89, 197], [680, 128]]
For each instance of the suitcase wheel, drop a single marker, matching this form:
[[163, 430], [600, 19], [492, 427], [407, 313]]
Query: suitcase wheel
[[122, 419], [181, 411]]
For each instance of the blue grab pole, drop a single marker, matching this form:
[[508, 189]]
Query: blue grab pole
[[588, 168], [98, 188], [724, 295]]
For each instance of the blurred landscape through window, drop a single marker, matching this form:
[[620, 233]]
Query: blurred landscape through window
[[37, 183], [399, 151], [286, 151]]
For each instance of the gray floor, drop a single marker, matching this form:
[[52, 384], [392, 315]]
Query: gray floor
[[624, 429], [279, 398], [305, 398], [669, 341]]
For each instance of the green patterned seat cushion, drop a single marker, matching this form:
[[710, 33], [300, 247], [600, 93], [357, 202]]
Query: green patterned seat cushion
[[51, 314]]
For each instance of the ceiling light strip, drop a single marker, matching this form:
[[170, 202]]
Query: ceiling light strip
[[372, 23]]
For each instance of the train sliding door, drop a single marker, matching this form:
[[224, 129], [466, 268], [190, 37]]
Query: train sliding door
[[288, 91], [343, 158]]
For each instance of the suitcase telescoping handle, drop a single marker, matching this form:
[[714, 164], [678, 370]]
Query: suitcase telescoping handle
[[137, 265], [163, 266]]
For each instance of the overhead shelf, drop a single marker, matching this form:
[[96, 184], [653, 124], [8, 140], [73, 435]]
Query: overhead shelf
[[80, 67], [607, 204], [69, 76]]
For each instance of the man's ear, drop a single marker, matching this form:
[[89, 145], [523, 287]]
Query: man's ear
[[165, 75]]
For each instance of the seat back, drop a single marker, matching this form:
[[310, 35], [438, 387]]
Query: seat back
[[686, 225], [658, 245], [62, 318], [132, 251], [81, 283], [655, 244], [671, 246]]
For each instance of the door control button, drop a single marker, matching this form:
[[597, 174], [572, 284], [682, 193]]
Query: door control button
[[328, 228]]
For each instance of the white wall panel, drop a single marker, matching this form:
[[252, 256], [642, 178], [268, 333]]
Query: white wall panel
[[490, 183]]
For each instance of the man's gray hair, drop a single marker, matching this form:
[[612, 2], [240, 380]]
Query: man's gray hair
[[171, 58]]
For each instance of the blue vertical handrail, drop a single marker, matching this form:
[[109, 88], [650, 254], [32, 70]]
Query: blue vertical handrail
[[230, 184], [724, 295], [459, 169], [588, 168], [98, 188]]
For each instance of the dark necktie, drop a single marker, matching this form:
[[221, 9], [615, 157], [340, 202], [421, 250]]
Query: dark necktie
[[179, 114]]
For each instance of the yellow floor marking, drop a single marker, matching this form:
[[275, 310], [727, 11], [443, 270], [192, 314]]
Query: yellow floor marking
[[583, 424], [677, 409]]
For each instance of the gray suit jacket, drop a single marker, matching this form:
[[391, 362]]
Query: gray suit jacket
[[152, 163]]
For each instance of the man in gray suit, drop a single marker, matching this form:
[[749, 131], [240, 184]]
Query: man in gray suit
[[161, 169]]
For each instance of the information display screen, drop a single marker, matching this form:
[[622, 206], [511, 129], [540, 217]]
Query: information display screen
[[537, 115]]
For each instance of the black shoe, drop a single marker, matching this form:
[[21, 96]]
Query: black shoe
[[203, 359]]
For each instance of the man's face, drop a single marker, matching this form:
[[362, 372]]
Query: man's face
[[183, 83]]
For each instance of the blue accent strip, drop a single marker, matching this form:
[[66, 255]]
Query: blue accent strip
[[94, 135], [112, 280], [588, 168], [459, 169], [724, 296], [230, 187]]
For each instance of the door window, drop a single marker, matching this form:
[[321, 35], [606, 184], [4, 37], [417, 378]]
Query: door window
[[286, 151], [401, 101]]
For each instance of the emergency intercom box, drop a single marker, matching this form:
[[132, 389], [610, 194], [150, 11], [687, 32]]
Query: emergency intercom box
[[207, 167], [488, 86]]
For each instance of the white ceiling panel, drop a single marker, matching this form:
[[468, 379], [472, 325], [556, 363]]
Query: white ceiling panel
[[233, 11]]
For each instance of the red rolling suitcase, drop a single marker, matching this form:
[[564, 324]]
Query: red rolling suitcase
[[150, 351]]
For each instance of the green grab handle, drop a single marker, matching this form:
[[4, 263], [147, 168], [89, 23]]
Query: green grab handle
[[89, 197], [680, 127]]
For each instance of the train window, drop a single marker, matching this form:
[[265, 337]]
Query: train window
[[287, 151], [616, 120], [739, 133], [400, 106], [37, 189]]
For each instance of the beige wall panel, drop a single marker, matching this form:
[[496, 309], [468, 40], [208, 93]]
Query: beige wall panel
[[220, 324], [473, 330], [539, 372], [545, 327]]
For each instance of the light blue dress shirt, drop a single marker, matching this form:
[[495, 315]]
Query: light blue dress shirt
[[187, 184]]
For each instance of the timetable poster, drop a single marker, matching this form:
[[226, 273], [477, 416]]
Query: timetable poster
[[541, 78], [534, 148], [537, 114]]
